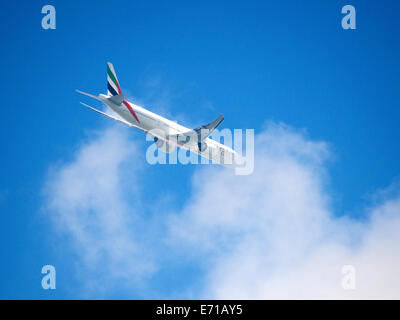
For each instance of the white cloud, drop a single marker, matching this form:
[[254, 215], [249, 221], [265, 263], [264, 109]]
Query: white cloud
[[273, 234], [86, 200]]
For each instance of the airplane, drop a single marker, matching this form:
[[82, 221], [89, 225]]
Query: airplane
[[167, 134]]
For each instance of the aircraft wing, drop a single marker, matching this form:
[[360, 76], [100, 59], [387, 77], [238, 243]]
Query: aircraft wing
[[112, 117], [199, 134]]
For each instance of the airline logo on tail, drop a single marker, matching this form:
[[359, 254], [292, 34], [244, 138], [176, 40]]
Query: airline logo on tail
[[114, 89], [112, 81]]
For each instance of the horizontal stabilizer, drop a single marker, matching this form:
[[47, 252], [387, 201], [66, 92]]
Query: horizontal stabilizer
[[89, 95]]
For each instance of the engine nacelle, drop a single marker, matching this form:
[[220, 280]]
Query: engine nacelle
[[202, 146], [159, 143], [164, 146]]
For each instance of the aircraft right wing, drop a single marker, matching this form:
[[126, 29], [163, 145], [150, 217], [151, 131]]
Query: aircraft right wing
[[196, 136], [208, 128]]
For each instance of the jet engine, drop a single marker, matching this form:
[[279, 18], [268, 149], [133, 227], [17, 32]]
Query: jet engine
[[164, 146], [202, 146], [159, 143]]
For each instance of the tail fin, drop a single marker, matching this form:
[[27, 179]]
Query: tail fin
[[112, 81]]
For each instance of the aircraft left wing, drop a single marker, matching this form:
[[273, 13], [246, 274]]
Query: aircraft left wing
[[112, 117]]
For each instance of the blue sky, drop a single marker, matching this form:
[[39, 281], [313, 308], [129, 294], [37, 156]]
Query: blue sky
[[255, 62]]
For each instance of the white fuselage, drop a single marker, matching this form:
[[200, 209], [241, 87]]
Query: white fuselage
[[163, 128]]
